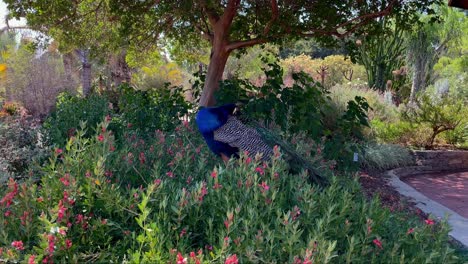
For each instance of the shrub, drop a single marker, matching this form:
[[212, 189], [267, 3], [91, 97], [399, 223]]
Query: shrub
[[21, 146], [84, 211], [440, 112], [385, 156], [69, 111], [147, 111], [303, 107]]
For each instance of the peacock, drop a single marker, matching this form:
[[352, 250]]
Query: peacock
[[226, 135]]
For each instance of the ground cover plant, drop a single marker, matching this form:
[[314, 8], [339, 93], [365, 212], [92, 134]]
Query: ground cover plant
[[166, 199]]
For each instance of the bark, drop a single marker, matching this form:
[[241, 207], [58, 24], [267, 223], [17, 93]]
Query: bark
[[120, 71], [419, 74], [213, 76], [85, 72], [68, 59]]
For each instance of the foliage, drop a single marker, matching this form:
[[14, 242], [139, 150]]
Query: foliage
[[22, 146], [147, 111], [337, 69], [34, 80], [191, 209], [69, 111], [383, 53], [149, 77], [440, 111], [381, 106], [431, 41], [228, 25], [382, 157], [304, 107], [249, 63]]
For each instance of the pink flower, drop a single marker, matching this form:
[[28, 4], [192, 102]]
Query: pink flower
[[58, 151], [260, 170], [108, 118], [68, 243], [51, 240], [429, 221], [142, 158], [18, 245], [264, 187], [7, 213], [217, 186], [232, 260], [378, 243], [32, 259], [181, 259], [100, 138], [410, 231], [61, 211], [65, 181], [170, 174], [214, 174]]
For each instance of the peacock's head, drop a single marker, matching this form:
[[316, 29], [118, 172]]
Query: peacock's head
[[211, 118]]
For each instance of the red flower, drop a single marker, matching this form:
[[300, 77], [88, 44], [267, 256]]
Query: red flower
[[18, 245], [260, 170], [232, 260], [264, 187], [214, 174], [58, 151], [68, 243], [51, 240], [410, 231], [217, 186], [100, 137], [181, 259], [429, 221], [170, 174], [32, 259], [378, 243]]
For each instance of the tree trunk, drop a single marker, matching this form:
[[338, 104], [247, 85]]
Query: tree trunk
[[68, 59], [219, 56], [120, 71], [419, 75], [85, 72]]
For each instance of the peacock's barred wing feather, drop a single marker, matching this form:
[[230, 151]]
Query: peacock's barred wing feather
[[243, 137], [296, 162], [226, 134]]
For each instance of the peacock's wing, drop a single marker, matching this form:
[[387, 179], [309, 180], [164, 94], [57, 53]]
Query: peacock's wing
[[296, 162], [241, 136]]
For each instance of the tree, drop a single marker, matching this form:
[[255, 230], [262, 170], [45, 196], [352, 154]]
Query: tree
[[428, 42], [83, 29], [382, 53], [228, 25]]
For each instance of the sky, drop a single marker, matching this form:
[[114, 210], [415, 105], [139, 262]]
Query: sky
[[4, 12]]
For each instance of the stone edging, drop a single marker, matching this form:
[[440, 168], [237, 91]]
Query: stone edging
[[458, 223]]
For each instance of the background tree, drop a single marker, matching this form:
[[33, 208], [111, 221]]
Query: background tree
[[428, 42], [227, 25]]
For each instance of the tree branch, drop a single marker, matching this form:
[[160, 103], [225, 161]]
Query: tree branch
[[213, 17], [245, 43], [364, 19], [229, 13], [274, 16]]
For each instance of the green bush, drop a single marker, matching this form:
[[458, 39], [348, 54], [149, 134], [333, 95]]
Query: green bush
[[21, 146], [385, 156], [439, 111], [69, 111], [146, 111], [85, 210], [304, 107]]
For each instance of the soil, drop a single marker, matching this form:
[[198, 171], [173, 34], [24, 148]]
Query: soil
[[376, 183]]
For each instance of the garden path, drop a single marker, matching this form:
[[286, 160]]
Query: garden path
[[441, 195]]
